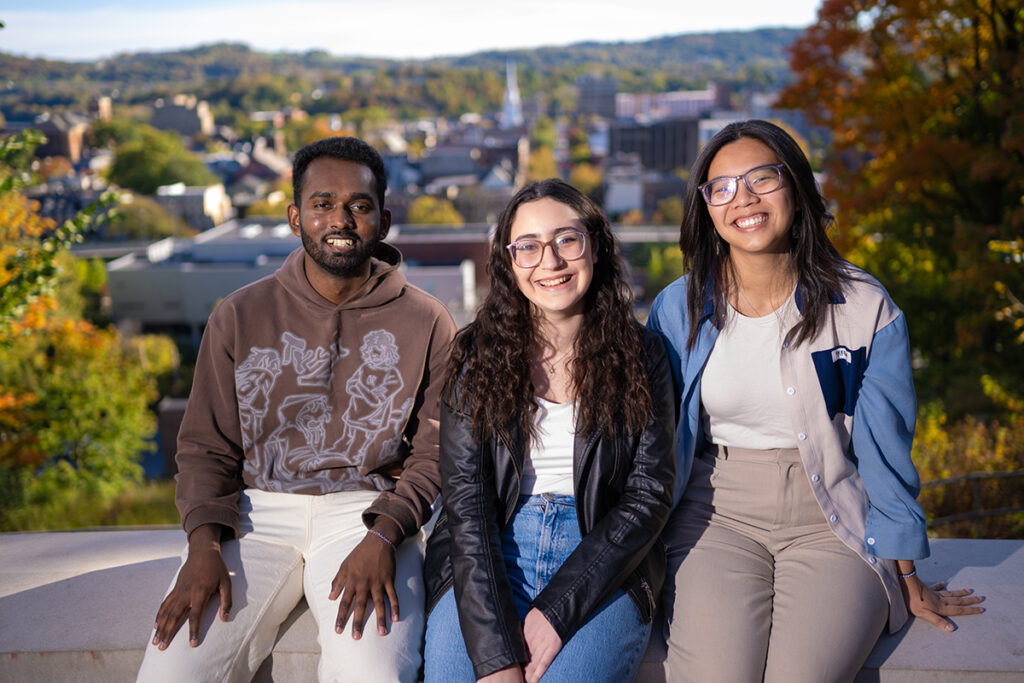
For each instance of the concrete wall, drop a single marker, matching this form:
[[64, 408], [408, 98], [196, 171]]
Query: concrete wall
[[80, 606]]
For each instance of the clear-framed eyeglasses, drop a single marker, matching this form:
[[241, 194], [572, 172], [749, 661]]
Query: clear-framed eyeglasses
[[568, 245], [760, 180]]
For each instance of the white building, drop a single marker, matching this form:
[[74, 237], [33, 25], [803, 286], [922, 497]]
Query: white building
[[200, 207]]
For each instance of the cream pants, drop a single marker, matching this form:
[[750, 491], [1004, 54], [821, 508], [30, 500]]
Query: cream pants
[[292, 545]]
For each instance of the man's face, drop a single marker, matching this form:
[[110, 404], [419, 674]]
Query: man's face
[[338, 217]]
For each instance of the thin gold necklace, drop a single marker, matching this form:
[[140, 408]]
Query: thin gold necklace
[[754, 309], [552, 365]]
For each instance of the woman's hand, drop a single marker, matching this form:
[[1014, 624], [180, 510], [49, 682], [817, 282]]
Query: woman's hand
[[934, 604], [542, 642]]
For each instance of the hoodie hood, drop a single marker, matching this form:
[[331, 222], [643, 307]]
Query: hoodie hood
[[385, 283]]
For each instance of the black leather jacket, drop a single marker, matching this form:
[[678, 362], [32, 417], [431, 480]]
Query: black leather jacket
[[623, 490]]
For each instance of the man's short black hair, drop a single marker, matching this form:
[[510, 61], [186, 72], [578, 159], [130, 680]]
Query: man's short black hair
[[346, 149]]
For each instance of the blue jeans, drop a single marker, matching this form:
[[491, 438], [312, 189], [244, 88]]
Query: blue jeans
[[542, 534]]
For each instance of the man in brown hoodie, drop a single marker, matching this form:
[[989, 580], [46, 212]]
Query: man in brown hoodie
[[308, 451]]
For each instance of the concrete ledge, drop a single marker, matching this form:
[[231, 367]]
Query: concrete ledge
[[80, 605]]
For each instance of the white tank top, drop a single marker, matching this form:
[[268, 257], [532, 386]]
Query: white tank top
[[548, 465]]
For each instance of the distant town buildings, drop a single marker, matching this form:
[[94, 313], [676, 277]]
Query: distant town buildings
[[640, 144], [184, 114], [64, 135], [597, 96], [662, 145], [200, 208], [175, 284], [666, 105]]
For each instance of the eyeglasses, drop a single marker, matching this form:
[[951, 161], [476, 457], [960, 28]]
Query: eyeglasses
[[568, 245], [760, 180]]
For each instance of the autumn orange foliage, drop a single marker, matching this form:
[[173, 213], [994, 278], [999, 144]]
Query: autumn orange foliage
[[924, 100]]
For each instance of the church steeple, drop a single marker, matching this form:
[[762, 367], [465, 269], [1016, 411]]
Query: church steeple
[[512, 109]]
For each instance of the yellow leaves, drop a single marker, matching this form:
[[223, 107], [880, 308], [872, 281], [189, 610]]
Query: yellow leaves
[[10, 402], [542, 164], [945, 450], [19, 219], [1001, 396], [17, 448], [427, 210], [1012, 251]]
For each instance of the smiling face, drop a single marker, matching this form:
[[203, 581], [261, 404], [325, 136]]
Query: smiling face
[[751, 223], [339, 220], [554, 286]]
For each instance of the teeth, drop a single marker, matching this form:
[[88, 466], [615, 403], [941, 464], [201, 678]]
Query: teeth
[[340, 241], [554, 282], [751, 221]]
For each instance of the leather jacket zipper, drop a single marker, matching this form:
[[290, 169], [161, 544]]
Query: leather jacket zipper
[[650, 594]]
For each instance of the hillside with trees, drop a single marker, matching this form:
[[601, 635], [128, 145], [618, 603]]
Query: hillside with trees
[[233, 76]]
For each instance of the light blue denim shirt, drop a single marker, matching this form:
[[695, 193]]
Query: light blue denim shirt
[[851, 403]]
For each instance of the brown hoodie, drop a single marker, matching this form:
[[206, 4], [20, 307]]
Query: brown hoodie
[[293, 393]]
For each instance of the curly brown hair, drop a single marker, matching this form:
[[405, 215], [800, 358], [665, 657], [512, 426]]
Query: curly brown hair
[[489, 370]]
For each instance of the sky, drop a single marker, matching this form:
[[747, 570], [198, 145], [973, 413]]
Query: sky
[[400, 29]]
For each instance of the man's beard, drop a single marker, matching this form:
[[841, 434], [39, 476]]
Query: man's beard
[[342, 265]]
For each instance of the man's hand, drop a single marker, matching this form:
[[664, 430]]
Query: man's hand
[[543, 643], [203, 574], [368, 573]]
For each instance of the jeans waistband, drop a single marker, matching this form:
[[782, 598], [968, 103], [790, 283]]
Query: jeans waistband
[[543, 500]]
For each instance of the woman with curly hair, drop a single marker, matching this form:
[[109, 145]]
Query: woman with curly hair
[[557, 461], [795, 539]]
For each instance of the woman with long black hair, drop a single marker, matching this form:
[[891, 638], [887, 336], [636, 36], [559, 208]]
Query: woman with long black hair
[[795, 538]]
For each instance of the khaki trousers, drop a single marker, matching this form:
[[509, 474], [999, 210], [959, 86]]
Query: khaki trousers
[[763, 590]]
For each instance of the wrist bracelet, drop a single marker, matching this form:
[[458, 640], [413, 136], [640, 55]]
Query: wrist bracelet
[[383, 538], [913, 572]]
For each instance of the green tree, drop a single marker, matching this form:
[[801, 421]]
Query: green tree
[[74, 398], [77, 422], [156, 158], [115, 131], [925, 104], [427, 210], [664, 267], [543, 134], [669, 211], [141, 218], [580, 154]]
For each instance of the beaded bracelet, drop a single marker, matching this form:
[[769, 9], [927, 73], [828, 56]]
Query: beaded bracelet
[[383, 538], [913, 572]]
